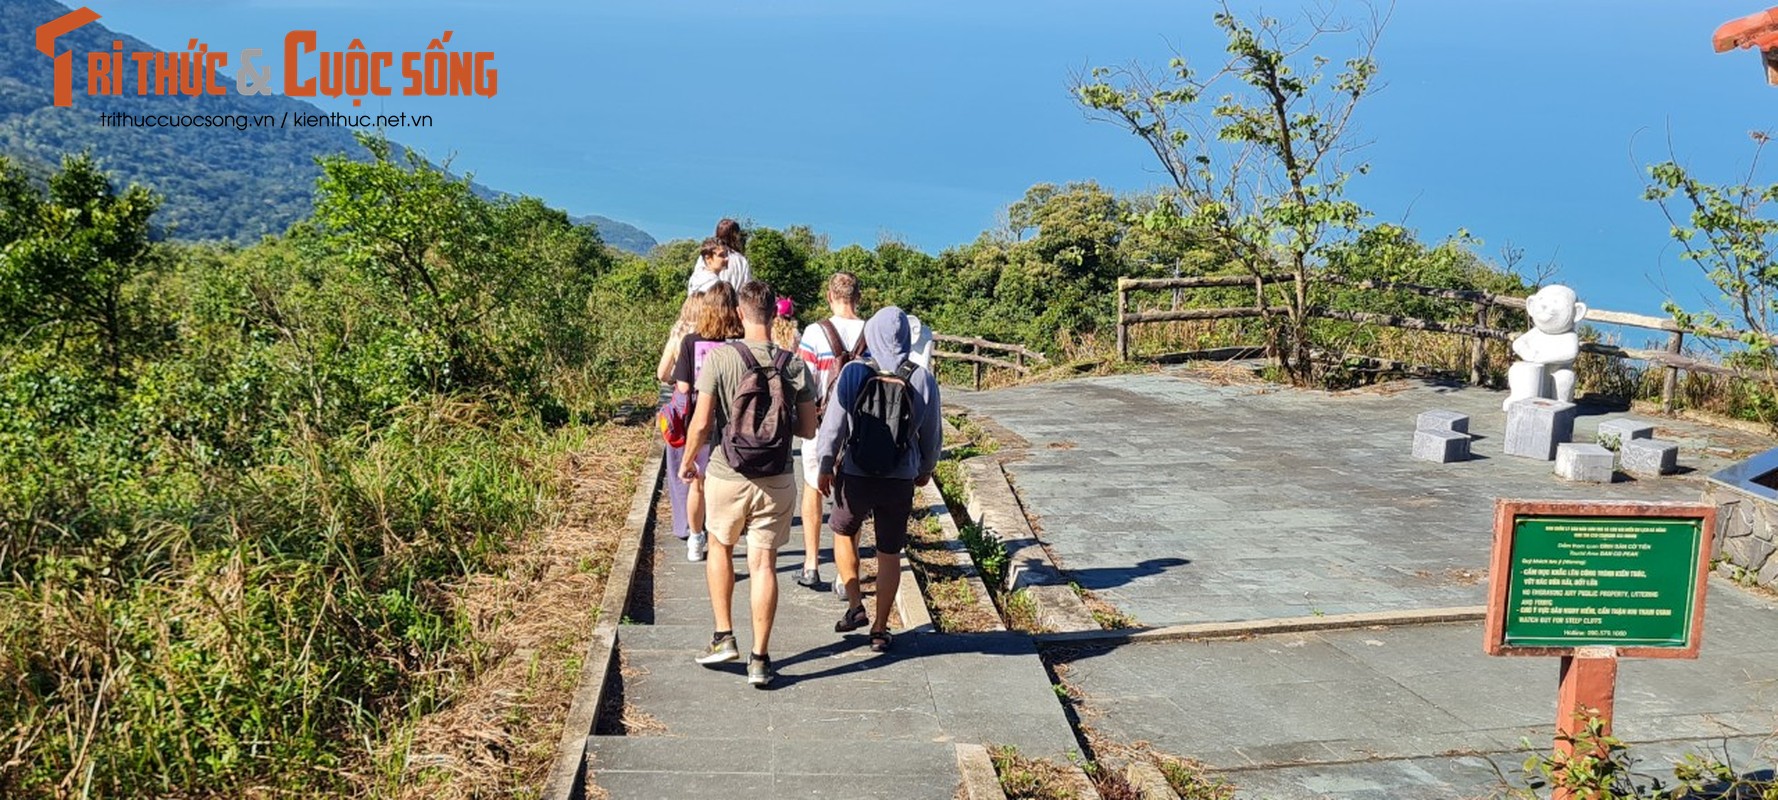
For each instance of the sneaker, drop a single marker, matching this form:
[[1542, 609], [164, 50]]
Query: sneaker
[[697, 546], [810, 579], [839, 590], [759, 671], [721, 650]]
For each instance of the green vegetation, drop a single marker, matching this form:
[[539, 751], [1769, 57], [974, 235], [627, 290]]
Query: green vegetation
[[1596, 764], [988, 553], [1024, 778], [1190, 781], [1721, 230], [1254, 152], [240, 489]]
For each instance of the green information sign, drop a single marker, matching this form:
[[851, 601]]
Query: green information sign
[[1602, 581]]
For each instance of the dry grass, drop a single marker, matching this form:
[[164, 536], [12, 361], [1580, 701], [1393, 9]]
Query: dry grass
[[497, 737]]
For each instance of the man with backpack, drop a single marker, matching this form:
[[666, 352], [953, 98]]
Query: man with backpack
[[879, 440], [755, 396], [826, 347]]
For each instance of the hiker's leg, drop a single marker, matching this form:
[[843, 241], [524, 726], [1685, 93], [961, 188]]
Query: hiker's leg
[[847, 521], [888, 581], [726, 513], [893, 505], [762, 565], [694, 505], [811, 510], [768, 528], [811, 527], [696, 509], [719, 575], [845, 563]]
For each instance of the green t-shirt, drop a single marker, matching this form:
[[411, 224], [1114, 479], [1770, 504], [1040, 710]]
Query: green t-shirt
[[723, 371]]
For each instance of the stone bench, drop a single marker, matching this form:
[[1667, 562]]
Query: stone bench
[[1617, 431], [1441, 447], [1442, 421], [1587, 463], [1648, 457]]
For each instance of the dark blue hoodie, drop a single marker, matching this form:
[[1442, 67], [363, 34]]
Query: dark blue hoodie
[[886, 333]]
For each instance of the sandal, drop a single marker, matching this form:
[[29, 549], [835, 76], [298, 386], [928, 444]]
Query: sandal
[[855, 618], [880, 641]]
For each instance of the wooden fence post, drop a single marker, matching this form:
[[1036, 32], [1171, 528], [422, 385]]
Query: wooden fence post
[[1123, 342], [975, 349], [1670, 387], [1478, 353]]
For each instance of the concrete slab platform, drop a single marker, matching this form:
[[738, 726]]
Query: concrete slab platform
[[1202, 502], [1375, 709]]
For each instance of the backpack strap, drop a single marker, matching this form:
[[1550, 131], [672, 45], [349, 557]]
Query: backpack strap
[[747, 356], [906, 370], [834, 342], [780, 360], [859, 348]]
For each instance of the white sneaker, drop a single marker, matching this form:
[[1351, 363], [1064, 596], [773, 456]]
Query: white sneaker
[[696, 546]]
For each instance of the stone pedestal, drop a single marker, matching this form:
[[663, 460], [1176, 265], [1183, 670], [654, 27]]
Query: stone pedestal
[[1588, 463], [1442, 447], [1746, 535], [1442, 421], [1617, 431], [1648, 457], [1535, 426]]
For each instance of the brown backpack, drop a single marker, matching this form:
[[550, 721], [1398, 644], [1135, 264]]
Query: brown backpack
[[841, 357], [756, 441]]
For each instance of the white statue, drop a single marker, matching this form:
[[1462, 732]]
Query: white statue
[[1546, 352]]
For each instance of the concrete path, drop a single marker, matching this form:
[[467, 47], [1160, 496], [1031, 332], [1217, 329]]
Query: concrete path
[[1180, 500], [1291, 716], [841, 721]]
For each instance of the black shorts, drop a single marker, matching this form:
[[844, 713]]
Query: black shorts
[[888, 502]]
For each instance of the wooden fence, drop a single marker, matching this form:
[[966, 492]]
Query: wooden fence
[[1011, 356], [1672, 359]]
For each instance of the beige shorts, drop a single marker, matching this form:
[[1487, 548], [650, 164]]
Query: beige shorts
[[761, 507]]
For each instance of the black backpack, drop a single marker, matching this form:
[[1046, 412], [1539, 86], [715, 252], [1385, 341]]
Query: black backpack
[[882, 420], [756, 441]]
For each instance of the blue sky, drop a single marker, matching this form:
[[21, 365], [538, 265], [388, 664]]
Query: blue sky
[[1526, 122]]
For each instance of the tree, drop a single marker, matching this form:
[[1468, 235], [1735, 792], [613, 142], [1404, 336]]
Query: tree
[[1724, 231], [1257, 169], [784, 261], [67, 259]]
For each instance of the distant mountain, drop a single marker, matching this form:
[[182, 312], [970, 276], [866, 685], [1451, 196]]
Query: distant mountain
[[620, 235], [218, 184]]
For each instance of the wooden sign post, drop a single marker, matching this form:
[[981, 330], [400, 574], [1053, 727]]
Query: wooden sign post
[[1592, 582]]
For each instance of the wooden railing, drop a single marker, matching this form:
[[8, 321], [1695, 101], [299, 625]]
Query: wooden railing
[[1012, 356], [1672, 358]]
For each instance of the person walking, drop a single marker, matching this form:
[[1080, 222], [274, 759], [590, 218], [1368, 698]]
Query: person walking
[[826, 346], [715, 322], [735, 271], [754, 396], [879, 440]]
